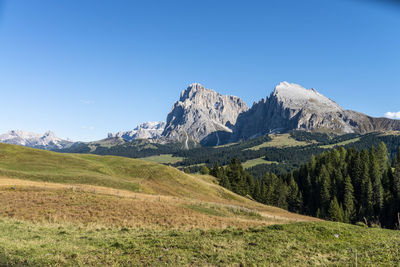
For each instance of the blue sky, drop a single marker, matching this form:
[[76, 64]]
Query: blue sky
[[86, 68]]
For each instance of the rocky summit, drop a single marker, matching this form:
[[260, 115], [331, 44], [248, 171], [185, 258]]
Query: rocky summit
[[292, 107], [203, 115]]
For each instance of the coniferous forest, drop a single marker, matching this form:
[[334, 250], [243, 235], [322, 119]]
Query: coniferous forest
[[345, 185]]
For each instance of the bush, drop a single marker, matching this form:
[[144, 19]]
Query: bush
[[361, 224]]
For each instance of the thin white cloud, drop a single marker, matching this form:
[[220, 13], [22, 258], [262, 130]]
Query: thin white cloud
[[88, 128], [87, 102], [393, 115]]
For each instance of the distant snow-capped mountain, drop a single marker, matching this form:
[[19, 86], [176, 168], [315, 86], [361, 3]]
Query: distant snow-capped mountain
[[48, 140], [146, 130]]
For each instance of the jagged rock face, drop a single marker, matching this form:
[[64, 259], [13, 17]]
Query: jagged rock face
[[292, 107], [147, 130], [202, 115], [48, 140]]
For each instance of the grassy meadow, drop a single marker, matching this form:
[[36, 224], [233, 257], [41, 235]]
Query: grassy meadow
[[280, 141], [296, 244]]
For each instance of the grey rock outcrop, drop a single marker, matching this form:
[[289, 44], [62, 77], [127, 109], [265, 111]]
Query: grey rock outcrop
[[146, 130], [292, 107], [203, 115]]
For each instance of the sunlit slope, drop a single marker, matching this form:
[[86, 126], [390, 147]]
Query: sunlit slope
[[108, 171], [26, 167]]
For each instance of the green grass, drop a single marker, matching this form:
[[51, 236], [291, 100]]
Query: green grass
[[253, 162], [109, 171], [298, 244], [280, 141], [220, 210], [164, 159], [341, 143]]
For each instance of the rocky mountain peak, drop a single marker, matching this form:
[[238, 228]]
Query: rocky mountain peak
[[202, 115], [294, 96], [192, 90], [50, 134], [293, 107]]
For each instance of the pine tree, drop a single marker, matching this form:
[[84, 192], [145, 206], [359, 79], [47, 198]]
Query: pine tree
[[356, 173], [216, 171], [271, 184], [396, 159], [204, 170], [365, 198], [335, 212], [294, 198], [325, 184], [369, 207], [280, 195], [377, 189], [224, 182], [236, 176], [348, 201], [382, 155]]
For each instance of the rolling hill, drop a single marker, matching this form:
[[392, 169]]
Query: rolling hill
[[119, 176]]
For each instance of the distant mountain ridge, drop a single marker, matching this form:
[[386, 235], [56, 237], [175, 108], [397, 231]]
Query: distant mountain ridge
[[48, 140], [146, 130]]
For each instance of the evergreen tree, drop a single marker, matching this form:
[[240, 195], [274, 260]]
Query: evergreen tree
[[236, 176], [396, 182], [325, 196], [348, 201], [271, 185], [294, 198], [382, 155], [365, 198], [375, 175], [280, 195], [204, 170], [356, 172], [335, 212]]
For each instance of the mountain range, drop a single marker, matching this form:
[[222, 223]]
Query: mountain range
[[48, 140], [203, 116]]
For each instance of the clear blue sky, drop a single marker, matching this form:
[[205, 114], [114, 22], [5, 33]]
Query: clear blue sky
[[83, 68]]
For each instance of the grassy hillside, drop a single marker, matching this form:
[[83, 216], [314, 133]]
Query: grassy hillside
[[110, 174], [109, 171], [297, 244]]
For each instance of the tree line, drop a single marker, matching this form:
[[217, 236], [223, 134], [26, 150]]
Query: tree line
[[345, 185]]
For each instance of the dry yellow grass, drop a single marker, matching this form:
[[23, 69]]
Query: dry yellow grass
[[101, 206], [116, 191]]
